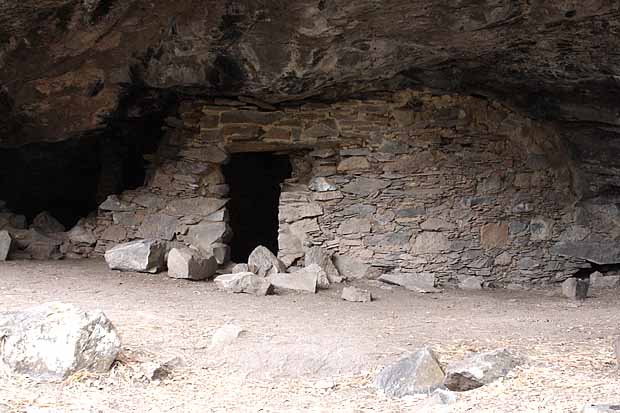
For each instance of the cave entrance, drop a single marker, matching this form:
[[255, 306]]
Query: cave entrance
[[254, 180]]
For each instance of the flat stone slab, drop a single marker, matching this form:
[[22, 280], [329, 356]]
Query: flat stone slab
[[297, 281], [54, 340], [419, 373], [479, 369], [601, 253], [244, 282], [141, 256]]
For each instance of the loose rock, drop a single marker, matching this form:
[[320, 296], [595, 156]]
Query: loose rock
[[190, 264], [575, 289], [262, 262], [479, 369], [416, 374], [227, 334], [244, 282], [54, 340], [47, 224], [318, 256], [356, 295], [5, 245], [305, 279], [141, 256]]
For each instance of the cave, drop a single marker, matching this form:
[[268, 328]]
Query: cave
[[254, 180]]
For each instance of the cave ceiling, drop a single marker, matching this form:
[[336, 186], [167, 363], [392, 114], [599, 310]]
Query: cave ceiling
[[67, 67]]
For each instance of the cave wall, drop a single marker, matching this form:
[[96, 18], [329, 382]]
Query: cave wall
[[407, 182]]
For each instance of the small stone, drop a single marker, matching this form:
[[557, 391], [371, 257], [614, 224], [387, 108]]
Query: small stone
[[47, 224], [601, 408], [156, 371], [479, 369], [240, 268], [54, 340], [421, 283], [244, 282], [575, 289], [355, 294], [317, 255], [471, 283], [190, 264], [262, 262], [442, 396], [140, 256], [419, 373], [5, 245], [225, 335]]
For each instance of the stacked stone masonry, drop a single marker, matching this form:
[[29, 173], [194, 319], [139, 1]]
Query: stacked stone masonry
[[409, 182]]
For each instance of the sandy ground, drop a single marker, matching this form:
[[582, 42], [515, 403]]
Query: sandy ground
[[312, 352]]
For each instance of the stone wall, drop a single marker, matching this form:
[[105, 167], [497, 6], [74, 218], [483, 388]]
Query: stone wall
[[409, 182]]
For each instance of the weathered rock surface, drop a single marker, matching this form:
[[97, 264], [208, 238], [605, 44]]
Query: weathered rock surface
[[140, 256], [419, 373], [421, 283], [301, 280], [5, 245], [479, 369], [54, 340], [601, 281], [240, 268], [575, 289], [356, 295], [244, 282], [262, 262], [191, 264], [471, 283]]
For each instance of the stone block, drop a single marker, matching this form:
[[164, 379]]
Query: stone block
[[354, 226], [575, 289], [244, 282], [353, 163], [598, 252], [317, 255], [206, 234], [158, 226], [302, 280], [296, 211], [140, 256], [365, 186], [420, 283], [262, 262], [321, 184], [190, 264], [493, 235], [600, 281], [479, 369], [430, 243], [541, 229]]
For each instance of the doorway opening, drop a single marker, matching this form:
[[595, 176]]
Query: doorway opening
[[254, 180]]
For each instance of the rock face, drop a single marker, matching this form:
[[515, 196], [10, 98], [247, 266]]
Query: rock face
[[190, 264], [244, 282], [55, 340], [419, 373], [479, 369], [140, 256], [262, 262], [5, 245]]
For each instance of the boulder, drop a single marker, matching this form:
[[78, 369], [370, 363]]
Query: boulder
[[244, 282], [190, 264], [47, 224], [5, 245], [575, 289], [356, 295], [419, 373], [479, 369], [305, 279], [54, 340], [142, 256], [421, 283], [318, 256], [262, 262]]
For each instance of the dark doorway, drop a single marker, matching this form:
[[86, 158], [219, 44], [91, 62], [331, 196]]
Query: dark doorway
[[254, 180]]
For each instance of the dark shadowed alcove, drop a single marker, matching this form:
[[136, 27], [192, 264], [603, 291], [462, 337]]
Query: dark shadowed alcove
[[254, 180]]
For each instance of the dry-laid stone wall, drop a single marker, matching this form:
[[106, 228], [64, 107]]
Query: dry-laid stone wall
[[448, 187]]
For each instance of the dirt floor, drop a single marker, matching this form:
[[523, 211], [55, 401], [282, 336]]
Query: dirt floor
[[312, 352]]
